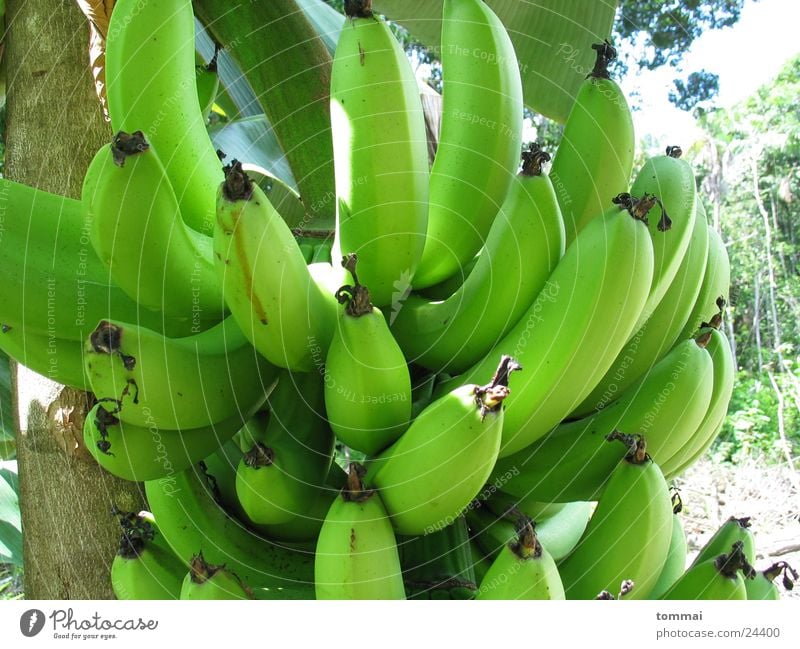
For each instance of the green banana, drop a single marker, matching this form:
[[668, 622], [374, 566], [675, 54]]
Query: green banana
[[175, 383], [577, 325], [53, 283], [356, 555], [672, 181], [501, 504], [709, 427], [628, 536], [480, 138], [446, 288], [715, 287], [380, 153], [207, 581], [558, 533], [763, 586], [429, 475], [731, 531], [595, 156], [524, 245], [144, 566], [367, 383], [661, 329], [574, 461], [439, 565], [303, 528], [137, 231], [675, 564], [522, 570], [58, 359], [266, 283], [139, 453], [281, 475], [718, 578], [151, 85], [192, 521]]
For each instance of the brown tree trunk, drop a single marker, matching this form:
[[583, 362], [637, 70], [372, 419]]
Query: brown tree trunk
[[54, 127]]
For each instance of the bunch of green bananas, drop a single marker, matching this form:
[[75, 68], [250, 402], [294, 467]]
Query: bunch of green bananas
[[488, 348]]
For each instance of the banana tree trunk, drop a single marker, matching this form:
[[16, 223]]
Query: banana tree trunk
[[54, 127]]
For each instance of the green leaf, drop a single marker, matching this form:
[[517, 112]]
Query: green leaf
[[325, 19], [552, 38], [252, 140], [10, 519]]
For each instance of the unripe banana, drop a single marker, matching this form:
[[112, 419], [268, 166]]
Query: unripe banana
[[574, 461], [144, 566], [266, 283], [595, 156], [558, 533], [367, 383], [192, 521], [763, 586], [58, 359], [671, 180], [731, 531], [675, 565], [524, 244], [628, 535], [661, 330], [480, 138], [380, 154], [175, 383], [719, 578], [207, 581], [577, 325], [53, 282], [139, 453], [709, 427], [137, 231], [429, 475], [151, 85], [356, 555], [522, 570], [280, 477], [716, 285]]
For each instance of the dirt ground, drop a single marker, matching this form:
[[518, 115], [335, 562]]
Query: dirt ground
[[769, 495]]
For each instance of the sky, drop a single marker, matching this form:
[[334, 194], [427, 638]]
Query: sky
[[744, 56]]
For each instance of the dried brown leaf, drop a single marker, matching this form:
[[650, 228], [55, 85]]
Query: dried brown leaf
[[98, 13]]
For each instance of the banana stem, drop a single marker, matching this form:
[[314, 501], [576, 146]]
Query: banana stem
[[605, 54], [200, 570], [237, 185], [356, 298], [125, 145], [358, 8], [729, 564], [526, 545], [490, 397], [259, 456], [533, 159], [354, 490], [637, 446]]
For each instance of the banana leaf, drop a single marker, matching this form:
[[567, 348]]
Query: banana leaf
[[552, 38]]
